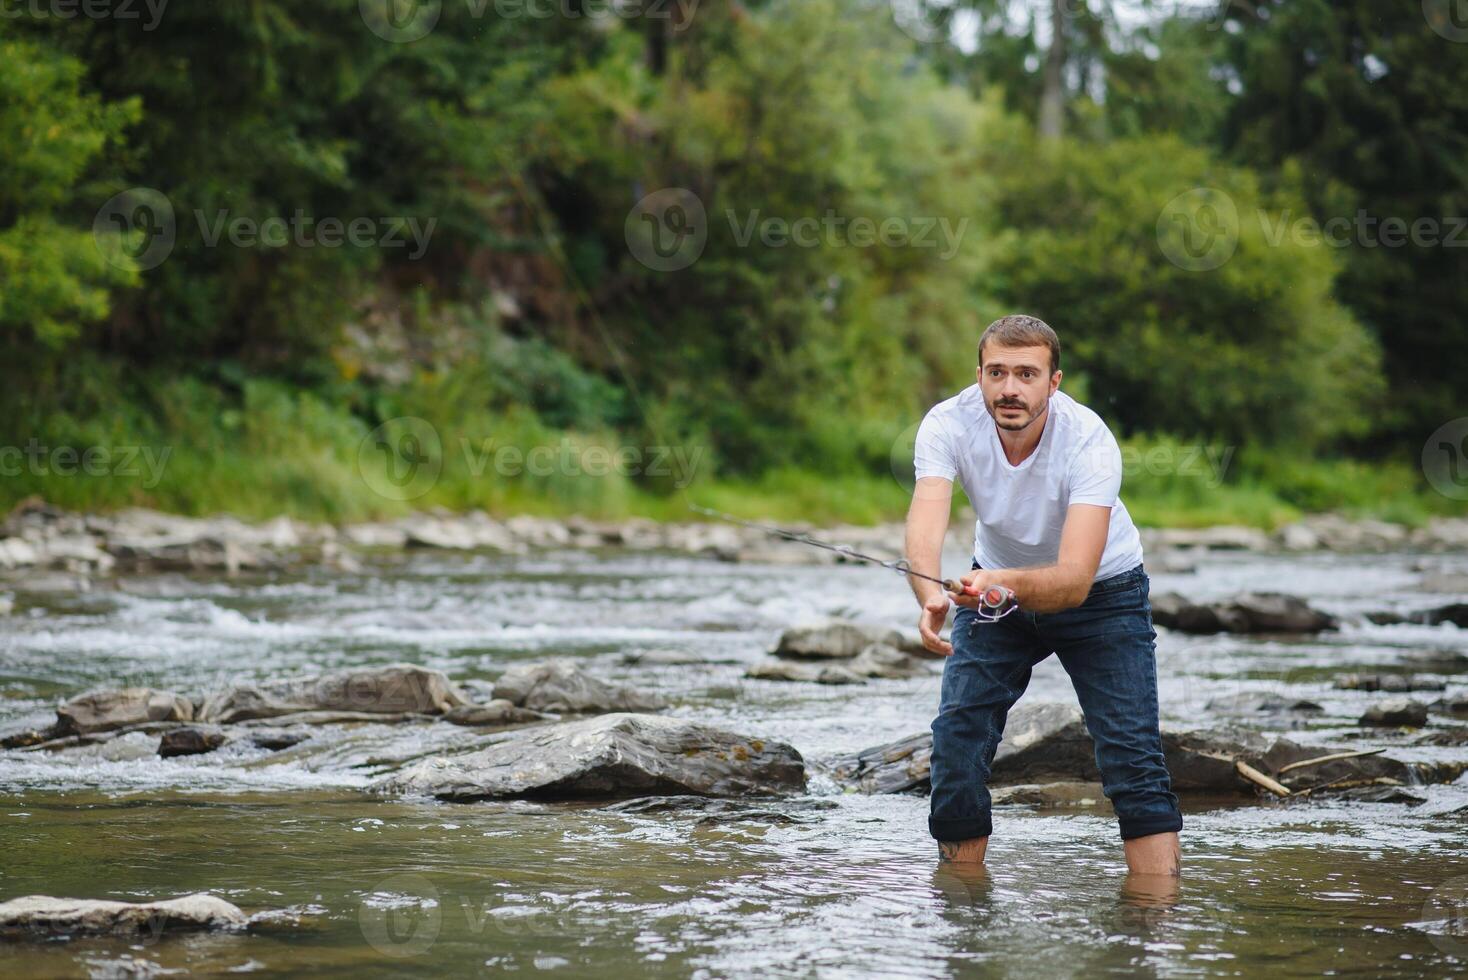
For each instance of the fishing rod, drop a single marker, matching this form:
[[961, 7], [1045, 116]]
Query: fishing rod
[[995, 602]]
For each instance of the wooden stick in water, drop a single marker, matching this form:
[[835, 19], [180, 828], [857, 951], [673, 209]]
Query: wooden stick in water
[[1259, 779], [1334, 757]]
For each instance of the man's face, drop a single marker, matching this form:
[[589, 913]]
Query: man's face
[[1017, 384]]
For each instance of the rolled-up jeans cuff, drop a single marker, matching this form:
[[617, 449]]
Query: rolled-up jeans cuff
[[1161, 823], [960, 828]]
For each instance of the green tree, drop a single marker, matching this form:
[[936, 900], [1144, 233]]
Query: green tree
[[1370, 103], [54, 277]]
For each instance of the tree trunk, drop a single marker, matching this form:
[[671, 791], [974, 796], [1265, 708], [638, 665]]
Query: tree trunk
[[1052, 97]]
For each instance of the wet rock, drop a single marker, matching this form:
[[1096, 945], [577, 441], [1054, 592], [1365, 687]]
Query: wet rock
[[78, 552], [1399, 683], [895, 767], [775, 669], [1455, 613], [497, 712], [1378, 794], [194, 740], [1249, 612], [203, 554], [1456, 704], [880, 660], [558, 685], [1437, 661], [1395, 711], [1222, 537], [400, 689], [17, 553], [612, 755], [298, 718], [103, 711], [840, 639], [538, 532], [41, 917], [1442, 534], [376, 535], [723, 810], [1044, 742], [1452, 737], [1067, 793], [672, 658], [1261, 703], [1444, 582], [1205, 761], [1356, 770], [1337, 533], [474, 530], [278, 739], [875, 661]]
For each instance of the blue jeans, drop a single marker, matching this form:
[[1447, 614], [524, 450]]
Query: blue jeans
[[1106, 646]]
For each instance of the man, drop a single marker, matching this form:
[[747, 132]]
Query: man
[[1043, 473]]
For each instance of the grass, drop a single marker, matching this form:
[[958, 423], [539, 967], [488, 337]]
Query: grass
[[270, 450]]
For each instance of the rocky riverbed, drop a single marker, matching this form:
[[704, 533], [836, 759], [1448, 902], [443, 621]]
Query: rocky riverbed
[[564, 745]]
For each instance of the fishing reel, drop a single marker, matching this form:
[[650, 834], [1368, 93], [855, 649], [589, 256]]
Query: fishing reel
[[995, 603]]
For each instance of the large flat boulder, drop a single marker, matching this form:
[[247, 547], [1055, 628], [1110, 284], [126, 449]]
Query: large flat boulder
[[105, 711], [560, 686], [1047, 742], [41, 917], [838, 639], [397, 689], [875, 661], [1249, 612], [613, 755]]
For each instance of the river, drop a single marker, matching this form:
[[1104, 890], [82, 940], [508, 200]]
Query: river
[[829, 884]]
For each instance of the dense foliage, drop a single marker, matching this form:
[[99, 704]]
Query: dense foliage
[[495, 165]]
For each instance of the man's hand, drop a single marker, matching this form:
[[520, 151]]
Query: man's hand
[[935, 611], [975, 584]]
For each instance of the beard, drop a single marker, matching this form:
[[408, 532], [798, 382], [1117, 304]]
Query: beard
[[1014, 421]]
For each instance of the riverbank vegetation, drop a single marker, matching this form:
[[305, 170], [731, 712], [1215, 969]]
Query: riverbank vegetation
[[870, 198]]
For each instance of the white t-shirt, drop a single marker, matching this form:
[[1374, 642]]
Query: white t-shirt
[[1021, 509]]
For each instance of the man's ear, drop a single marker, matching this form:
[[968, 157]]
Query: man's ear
[[1055, 381]]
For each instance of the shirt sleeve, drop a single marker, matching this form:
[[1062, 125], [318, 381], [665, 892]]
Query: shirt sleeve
[[932, 451], [1095, 472]]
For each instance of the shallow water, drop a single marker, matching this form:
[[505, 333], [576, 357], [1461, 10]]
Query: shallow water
[[825, 884]]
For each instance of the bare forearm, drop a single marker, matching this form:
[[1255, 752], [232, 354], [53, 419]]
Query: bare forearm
[[924, 551], [1046, 588]]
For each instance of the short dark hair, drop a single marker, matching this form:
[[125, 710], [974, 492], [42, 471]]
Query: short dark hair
[[1019, 330]]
